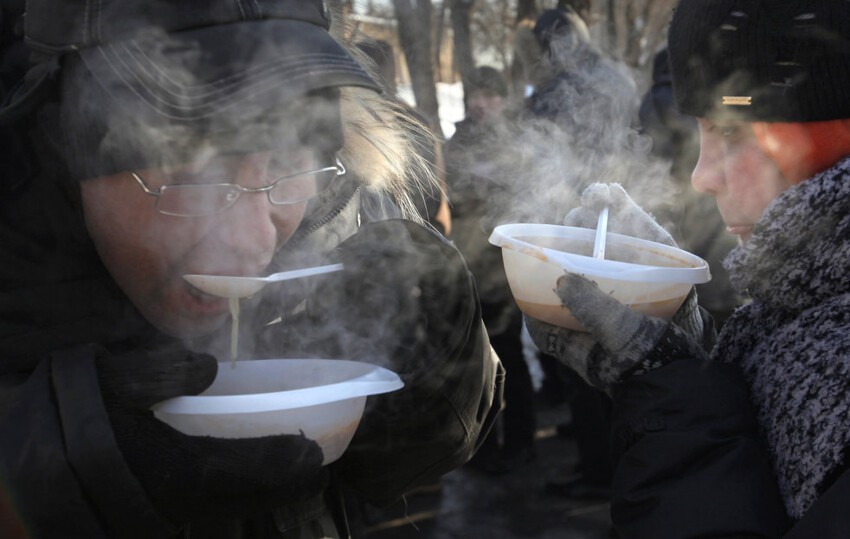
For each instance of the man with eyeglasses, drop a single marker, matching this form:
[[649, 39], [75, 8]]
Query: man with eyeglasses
[[164, 139]]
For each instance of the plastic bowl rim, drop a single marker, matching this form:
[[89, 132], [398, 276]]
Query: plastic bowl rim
[[375, 381], [629, 272]]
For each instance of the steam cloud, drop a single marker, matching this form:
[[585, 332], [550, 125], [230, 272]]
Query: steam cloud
[[580, 128]]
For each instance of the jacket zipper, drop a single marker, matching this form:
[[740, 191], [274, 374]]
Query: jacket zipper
[[330, 216]]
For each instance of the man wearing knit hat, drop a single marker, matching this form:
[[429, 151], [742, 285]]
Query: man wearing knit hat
[[750, 436]]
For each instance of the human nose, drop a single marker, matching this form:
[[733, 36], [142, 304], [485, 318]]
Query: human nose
[[249, 228], [708, 175]]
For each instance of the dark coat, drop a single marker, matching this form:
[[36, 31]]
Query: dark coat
[[753, 443], [62, 472], [689, 461]]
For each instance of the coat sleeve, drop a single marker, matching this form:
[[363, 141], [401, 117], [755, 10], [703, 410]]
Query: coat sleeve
[[689, 460], [60, 467], [453, 383]]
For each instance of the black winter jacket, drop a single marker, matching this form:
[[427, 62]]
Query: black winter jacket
[[753, 443], [61, 471]]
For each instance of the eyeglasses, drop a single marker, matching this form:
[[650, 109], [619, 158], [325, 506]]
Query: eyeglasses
[[197, 200]]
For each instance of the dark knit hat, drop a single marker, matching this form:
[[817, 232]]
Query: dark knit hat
[[762, 60], [488, 78], [559, 21]]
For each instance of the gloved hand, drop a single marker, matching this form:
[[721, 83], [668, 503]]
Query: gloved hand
[[619, 341], [136, 380], [194, 476], [624, 215]]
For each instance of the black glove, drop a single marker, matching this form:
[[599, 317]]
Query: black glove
[[188, 477], [137, 380]]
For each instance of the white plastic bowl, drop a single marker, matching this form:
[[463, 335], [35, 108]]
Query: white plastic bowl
[[323, 398], [649, 277]]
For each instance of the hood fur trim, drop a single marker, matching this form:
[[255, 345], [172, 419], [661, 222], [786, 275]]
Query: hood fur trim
[[381, 138]]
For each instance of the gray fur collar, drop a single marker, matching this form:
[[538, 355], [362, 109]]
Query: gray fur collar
[[793, 340]]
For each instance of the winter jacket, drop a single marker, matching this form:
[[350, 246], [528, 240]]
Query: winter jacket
[[480, 200], [61, 470], [753, 443]]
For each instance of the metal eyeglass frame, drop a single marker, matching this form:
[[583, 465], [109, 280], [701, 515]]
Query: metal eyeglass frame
[[158, 192]]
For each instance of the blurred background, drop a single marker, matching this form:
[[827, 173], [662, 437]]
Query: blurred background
[[530, 106], [437, 44]]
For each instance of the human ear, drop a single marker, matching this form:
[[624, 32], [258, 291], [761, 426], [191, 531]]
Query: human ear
[[801, 150]]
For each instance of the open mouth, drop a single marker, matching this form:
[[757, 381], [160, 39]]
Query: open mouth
[[204, 303]]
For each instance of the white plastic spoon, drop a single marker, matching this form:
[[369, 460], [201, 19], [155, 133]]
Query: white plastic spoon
[[601, 234], [233, 287]]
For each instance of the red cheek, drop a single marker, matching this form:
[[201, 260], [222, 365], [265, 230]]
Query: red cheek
[[801, 150]]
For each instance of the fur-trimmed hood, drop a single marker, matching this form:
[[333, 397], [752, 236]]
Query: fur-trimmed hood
[[381, 137]]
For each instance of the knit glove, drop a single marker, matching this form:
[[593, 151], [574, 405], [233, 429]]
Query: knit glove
[[619, 341], [189, 477], [624, 215]]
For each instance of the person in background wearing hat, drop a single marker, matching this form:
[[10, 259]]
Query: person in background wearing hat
[[585, 107], [473, 174], [165, 139], [581, 123], [748, 437], [578, 84]]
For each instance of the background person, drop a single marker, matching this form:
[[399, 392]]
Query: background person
[[580, 126], [587, 104], [747, 438], [473, 171], [165, 140]]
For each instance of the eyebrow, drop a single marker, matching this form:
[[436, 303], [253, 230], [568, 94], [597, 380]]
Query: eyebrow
[[220, 169]]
